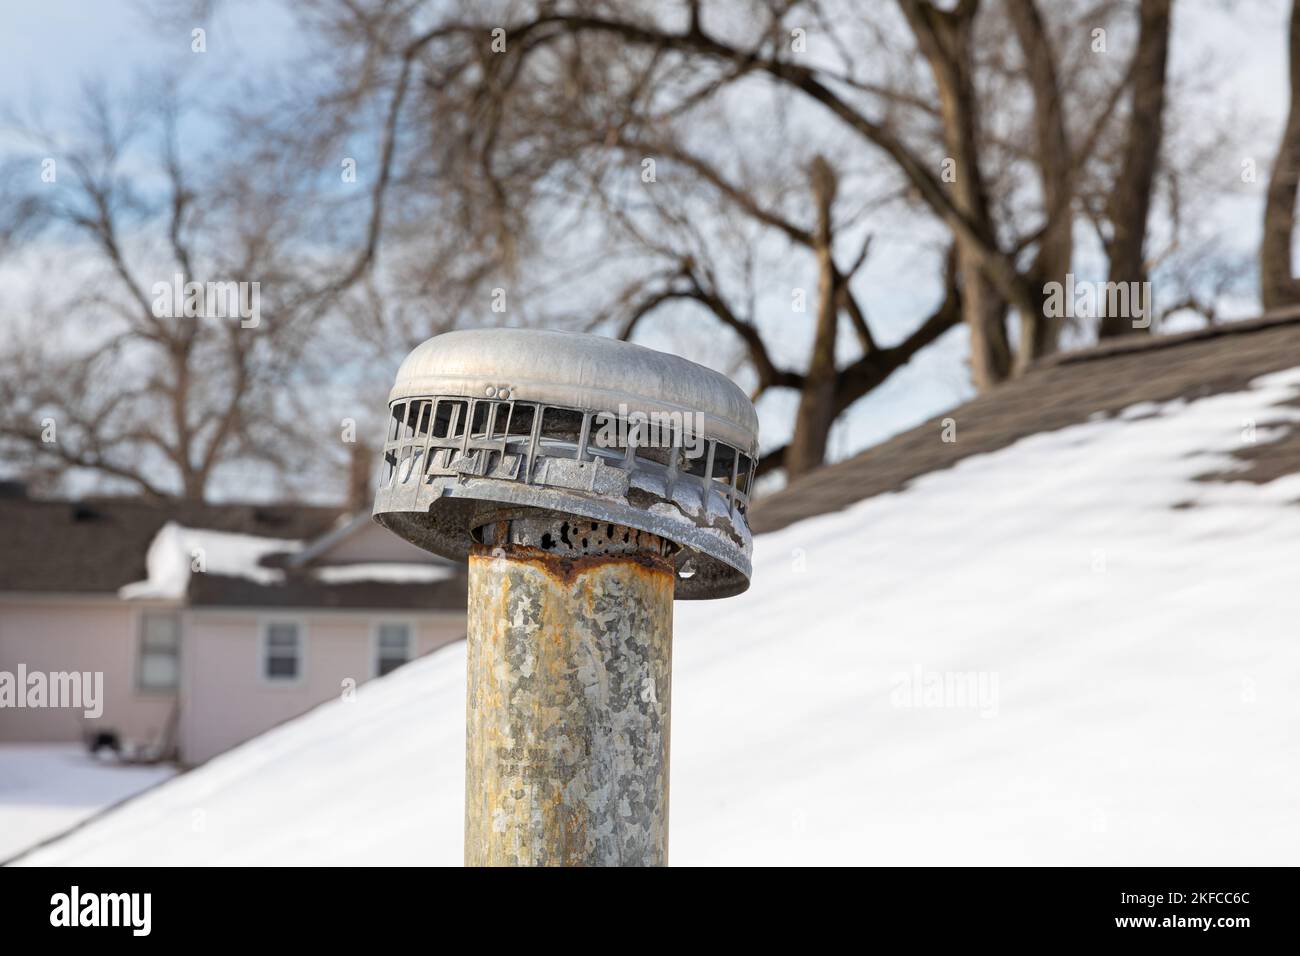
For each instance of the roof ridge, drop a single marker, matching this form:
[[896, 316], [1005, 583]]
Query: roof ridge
[[1135, 342]]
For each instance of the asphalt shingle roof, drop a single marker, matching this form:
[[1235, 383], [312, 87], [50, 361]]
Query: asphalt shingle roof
[[1066, 389], [99, 544]]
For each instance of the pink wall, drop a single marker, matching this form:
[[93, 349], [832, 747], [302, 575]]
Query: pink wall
[[227, 700], [68, 632]]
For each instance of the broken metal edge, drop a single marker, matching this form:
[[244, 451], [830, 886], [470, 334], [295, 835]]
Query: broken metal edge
[[721, 567]]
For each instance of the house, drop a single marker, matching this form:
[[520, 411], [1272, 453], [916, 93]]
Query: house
[[1066, 637], [208, 623]]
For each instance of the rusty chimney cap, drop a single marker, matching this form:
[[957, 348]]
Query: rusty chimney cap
[[490, 424]]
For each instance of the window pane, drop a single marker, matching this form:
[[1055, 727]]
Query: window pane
[[159, 671], [282, 635], [282, 667], [394, 647], [283, 650], [158, 666], [161, 631]]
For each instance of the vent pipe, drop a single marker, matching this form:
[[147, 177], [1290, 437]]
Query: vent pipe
[[588, 482]]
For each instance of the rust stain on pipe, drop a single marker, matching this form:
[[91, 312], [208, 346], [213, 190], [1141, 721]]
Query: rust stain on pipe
[[567, 713], [565, 569]]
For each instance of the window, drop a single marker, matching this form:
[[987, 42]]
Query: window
[[282, 652], [392, 648], [158, 664]]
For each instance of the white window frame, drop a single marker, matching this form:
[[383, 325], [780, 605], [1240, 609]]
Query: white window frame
[[140, 686], [374, 640], [263, 646]]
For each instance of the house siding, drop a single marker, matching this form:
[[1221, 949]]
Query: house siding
[[227, 699], [59, 633]]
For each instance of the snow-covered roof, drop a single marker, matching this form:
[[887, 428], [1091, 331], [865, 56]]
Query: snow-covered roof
[[98, 545], [1066, 650], [205, 567], [1131, 372], [176, 553]]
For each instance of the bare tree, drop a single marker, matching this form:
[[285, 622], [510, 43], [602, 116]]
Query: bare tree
[[493, 151], [1130, 203], [691, 268], [494, 123], [945, 39], [183, 314], [1055, 163], [1278, 287], [502, 99]]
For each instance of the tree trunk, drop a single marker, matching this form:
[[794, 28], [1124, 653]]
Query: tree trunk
[[193, 478], [1040, 333], [944, 38], [816, 414], [984, 313], [1277, 286], [1131, 196]]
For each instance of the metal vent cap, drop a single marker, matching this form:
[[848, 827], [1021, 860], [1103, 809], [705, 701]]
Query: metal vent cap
[[492, 424]]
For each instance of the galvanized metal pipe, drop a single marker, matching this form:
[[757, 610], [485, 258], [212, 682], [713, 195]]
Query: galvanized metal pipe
[[569, 686]]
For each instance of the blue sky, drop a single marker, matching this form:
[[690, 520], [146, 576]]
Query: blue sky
[[48, 48]]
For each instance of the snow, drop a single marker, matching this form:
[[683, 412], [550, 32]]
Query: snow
[[177, 551], [1127, 635], [47, 788], [397, 572]]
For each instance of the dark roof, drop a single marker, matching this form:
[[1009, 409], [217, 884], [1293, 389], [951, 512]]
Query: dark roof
[[99, 544], [1065, 389], [301, 590]]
